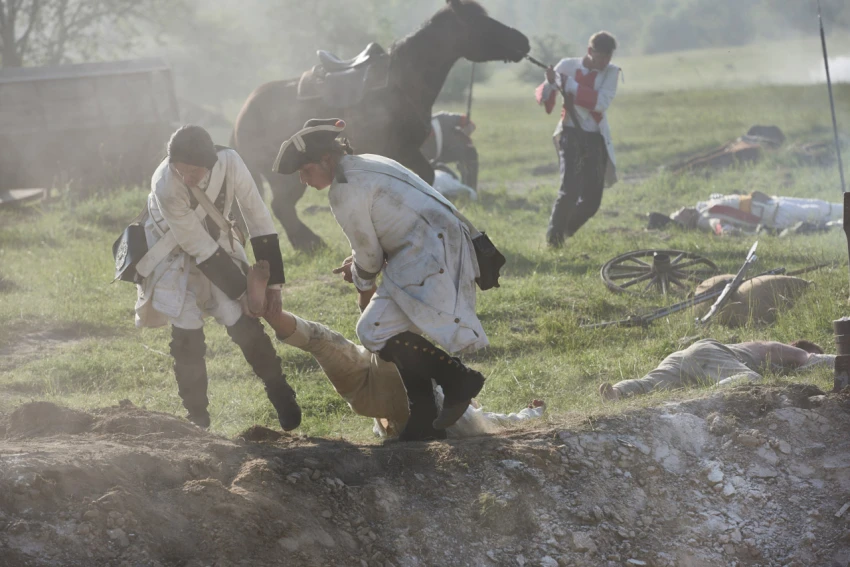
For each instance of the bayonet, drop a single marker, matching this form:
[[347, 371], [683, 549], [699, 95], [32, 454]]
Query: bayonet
[[732, 286]]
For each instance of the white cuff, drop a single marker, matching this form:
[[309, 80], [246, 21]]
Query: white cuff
[[276, 286]]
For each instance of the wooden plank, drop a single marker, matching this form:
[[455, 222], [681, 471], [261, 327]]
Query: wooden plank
[[14, 197]]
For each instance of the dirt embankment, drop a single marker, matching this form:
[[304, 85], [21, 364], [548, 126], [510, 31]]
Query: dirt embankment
[[755, 476]]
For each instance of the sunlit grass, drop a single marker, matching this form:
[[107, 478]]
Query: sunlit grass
[[57, 265]]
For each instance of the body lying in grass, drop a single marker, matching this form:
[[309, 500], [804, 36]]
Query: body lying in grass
[[370, 385], [725, 214], [709, 362]]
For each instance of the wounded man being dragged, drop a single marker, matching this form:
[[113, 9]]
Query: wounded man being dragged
[[371, 386], [398, 225]]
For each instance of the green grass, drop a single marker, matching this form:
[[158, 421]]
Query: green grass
[[56, 266]]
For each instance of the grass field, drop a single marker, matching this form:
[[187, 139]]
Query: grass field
[[56, 266]]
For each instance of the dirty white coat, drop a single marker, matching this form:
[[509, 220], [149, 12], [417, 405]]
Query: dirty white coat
[[428, 283], [162, 296]]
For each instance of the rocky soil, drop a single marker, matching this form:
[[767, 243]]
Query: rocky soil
[[751, 476]]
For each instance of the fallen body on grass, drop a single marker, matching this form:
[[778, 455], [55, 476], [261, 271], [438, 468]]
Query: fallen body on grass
[[725, 214], [708, 362], [370, 385]]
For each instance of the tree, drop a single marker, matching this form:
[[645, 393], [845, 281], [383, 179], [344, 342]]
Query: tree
[[51, 32]]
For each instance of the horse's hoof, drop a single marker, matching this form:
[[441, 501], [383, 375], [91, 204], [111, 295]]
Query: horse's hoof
[[307, 242]]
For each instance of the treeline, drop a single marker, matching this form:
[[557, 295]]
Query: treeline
[[223, 49]]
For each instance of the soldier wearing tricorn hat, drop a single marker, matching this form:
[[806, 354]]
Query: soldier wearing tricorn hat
[[397, 224]]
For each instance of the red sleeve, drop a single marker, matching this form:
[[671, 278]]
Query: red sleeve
[[586, 97], [550, 102]]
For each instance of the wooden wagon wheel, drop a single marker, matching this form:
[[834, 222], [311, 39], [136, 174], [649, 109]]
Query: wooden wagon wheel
[[660, 271]]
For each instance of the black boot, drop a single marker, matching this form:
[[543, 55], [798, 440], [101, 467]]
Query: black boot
[[420, 392], [459, 383], [259, 351], [190, 369]]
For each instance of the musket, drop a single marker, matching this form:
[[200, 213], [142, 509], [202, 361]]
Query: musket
[[568, 98], [644, 320], [831, 102], [732, 286], [469, 97]]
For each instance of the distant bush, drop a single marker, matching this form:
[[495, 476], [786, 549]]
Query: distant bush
[[456, 86], [550, 49]]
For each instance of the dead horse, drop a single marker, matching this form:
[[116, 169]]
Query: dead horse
[[392, 122]]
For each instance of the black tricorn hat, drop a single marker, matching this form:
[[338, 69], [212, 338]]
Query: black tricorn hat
[[308, 144]]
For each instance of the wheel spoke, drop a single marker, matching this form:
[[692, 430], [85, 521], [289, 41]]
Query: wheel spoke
[[626, 275], [637, 280], [688, 264], [624, 267]]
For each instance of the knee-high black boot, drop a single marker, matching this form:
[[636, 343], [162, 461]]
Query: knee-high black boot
[[188, 349], [248, 333], [420, 392], [459, 383]]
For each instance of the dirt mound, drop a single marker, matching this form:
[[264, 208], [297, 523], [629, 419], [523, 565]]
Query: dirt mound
[[37, 419], [752, 476]]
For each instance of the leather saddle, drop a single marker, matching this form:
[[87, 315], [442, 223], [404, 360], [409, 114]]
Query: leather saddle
[[332, 63], [341, 83]]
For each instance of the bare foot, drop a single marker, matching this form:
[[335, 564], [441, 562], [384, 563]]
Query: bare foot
[[258, 279], [608, 392]]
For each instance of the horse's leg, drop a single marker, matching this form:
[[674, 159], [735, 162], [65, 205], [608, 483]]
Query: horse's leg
[[413, 160], [286, 191]]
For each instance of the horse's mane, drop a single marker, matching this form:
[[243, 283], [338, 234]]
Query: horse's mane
[[472, 5]]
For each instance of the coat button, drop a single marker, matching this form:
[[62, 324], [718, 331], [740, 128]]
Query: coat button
[[442, 270], [440, 235], [377, 324], [457, 320]]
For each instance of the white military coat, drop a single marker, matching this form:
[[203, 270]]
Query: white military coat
[[597, 102], [162, 294], [428, 282]]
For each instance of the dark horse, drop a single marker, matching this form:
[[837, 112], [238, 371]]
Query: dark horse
[[392, 122]]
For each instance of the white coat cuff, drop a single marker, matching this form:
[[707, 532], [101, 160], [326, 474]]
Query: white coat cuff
[[360, 283]]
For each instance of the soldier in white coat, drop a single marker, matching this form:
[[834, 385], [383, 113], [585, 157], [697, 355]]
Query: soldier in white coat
[[399, 225], [195, 267], [585, 150]]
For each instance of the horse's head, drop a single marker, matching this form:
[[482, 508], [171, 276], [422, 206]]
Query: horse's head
[[482, 37]]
